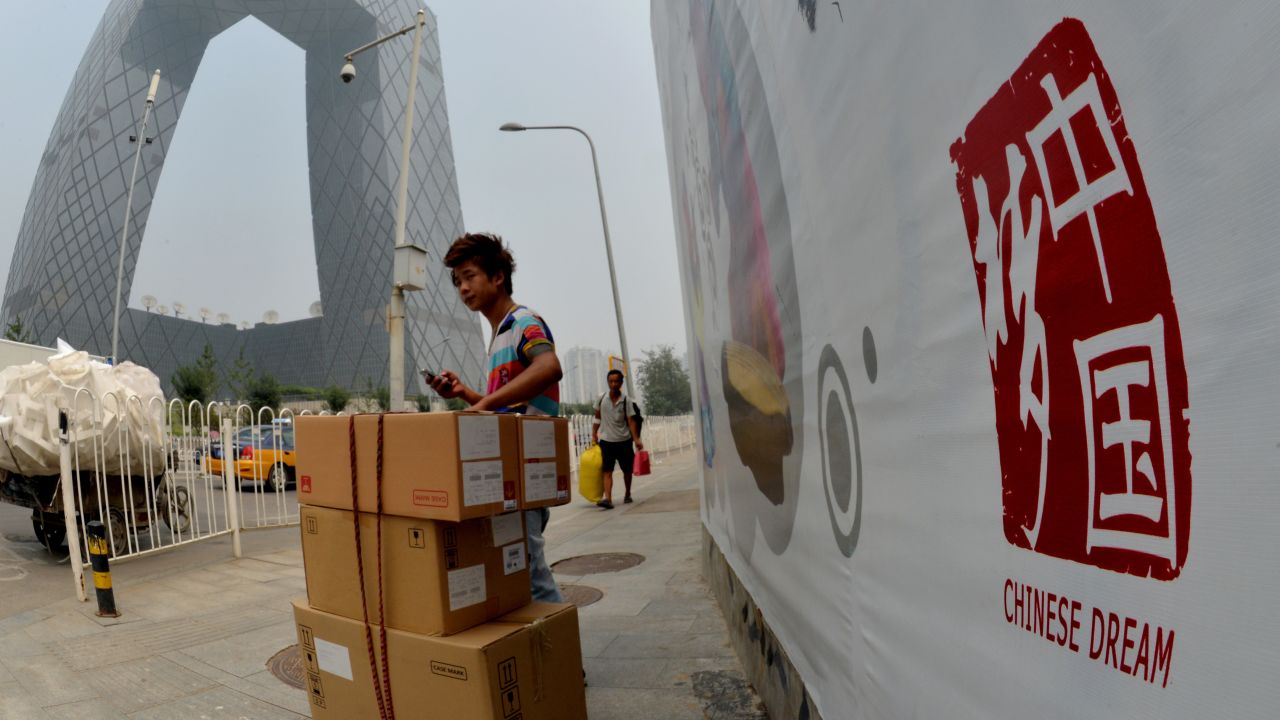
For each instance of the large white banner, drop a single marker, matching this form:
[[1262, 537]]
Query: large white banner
[[983, 303]]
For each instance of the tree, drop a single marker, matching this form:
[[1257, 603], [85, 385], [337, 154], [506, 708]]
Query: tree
[[18, 332], [424, 403], [569, 409], [198, 381], [664, 383], [456, 403], [239, 377], [208, 366], [336, 398], [263, 391], [376, 398]]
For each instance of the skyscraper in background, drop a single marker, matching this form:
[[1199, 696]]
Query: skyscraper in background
[[63, 276], [584, 375]]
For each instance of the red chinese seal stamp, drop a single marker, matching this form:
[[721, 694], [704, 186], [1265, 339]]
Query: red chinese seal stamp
[[1082, 333]]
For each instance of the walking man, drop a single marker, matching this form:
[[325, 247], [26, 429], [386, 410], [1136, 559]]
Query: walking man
[[523, 370], [615, 430]]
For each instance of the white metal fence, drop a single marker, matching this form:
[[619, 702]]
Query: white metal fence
[[214, 470], [662, 436], [217, 469]]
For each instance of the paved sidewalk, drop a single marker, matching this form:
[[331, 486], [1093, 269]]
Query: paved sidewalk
[[198, 628]]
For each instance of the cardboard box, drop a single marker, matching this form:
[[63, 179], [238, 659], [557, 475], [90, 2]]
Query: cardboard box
[[544, 460], [438, 578], [497, 671], [438, 466]]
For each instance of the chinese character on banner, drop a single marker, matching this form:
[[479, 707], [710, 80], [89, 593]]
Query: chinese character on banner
[[1081, 329]]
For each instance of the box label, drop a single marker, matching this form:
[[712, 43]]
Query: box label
[[539, 481], [333, 658], [481, 483], [478, 437], [457, 672], [539, 438], [466, 587], [507, 528], [513, 558], [431, 498], [510, 701], [507, 673], [304, 485]]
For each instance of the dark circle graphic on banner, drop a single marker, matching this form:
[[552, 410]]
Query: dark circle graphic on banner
[[841, 451], [869, 353]]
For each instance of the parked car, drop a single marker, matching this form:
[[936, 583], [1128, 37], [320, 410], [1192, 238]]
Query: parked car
[[263, 453]]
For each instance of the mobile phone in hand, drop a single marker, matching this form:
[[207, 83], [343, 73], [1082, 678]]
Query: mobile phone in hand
[[427, 375]]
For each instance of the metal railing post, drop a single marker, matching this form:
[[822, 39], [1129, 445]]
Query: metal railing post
[[230, 487], [69, 506]]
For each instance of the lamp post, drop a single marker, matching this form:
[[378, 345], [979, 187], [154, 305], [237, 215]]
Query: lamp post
[[141, 139], [404, 252], [608, 246]]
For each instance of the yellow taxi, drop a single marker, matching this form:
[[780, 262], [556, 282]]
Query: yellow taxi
[[263, 453]]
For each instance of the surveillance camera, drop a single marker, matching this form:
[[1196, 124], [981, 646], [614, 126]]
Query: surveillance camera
[[348, 73]]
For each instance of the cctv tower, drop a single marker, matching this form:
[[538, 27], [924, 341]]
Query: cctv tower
[[63, 276]]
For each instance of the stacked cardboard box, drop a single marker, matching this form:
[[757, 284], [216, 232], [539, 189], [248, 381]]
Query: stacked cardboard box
[[413, 542]]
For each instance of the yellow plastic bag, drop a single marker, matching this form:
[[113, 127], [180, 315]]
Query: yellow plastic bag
[[591, 474]]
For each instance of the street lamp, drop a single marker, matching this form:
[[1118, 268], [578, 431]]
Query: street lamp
[[608, 247], [141, 139], [408, 258]]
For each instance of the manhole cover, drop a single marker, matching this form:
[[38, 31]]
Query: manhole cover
[[580, 595], [597, 563], [286, 665]]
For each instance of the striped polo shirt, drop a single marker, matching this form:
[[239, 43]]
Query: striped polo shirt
[[521, 336]]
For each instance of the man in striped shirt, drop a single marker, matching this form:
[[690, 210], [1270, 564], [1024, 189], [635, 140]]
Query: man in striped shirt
[[523, 370]]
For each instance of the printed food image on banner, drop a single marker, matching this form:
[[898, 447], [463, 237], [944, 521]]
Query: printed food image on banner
[[760, 360], [1082, 332]]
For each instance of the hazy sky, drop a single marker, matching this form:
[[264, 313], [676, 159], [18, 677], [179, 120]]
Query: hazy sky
[[230, 229]]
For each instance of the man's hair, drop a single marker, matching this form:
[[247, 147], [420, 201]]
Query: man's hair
[[611, 373], [488, 251]]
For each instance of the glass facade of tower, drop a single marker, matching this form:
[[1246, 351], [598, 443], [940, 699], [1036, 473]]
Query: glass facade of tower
[[63, 275]]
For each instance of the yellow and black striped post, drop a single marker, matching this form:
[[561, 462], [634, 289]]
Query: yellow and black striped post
[[98, 552]]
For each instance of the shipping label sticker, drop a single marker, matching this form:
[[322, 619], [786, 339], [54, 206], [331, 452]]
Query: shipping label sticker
[[466, 587], [481, 483], [507, 528], [333, 658], [478, 437], [538, 438], [513, 558], [1082, 333], [539, 481]]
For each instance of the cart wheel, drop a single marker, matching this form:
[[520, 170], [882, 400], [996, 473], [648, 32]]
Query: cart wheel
[[180, 519], [119, 532], [50, 533]]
